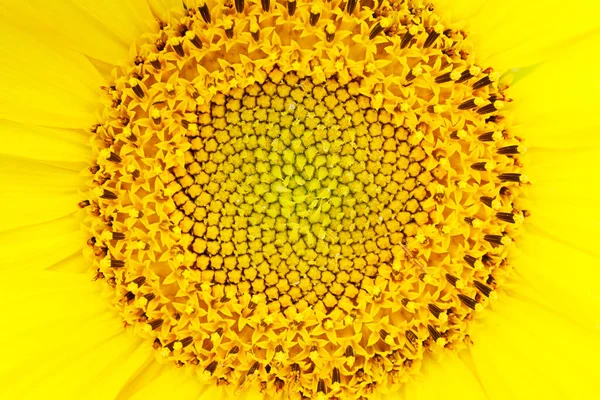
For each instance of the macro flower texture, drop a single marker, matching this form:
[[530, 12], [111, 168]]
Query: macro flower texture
[[290, 199]]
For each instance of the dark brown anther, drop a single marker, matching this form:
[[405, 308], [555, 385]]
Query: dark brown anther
[[510, 177], [494, 239], [412, 337], [135, 174], [234, 350], [483, 82], [138, 60], [406, 39], [117, 263], [291, 7], [486, 137], [321, 388], [444, 78], [129, 296], [484, 289], [170, 345], [470, 260], [155, 63], [108, 195], [351, 6], [101, 252], [150, 296], [465, 76], [509, 150], [139, 281], [495, 119], [212, 367], [431, 38], [480, 166], [253, 368], [239, 5], [137, 89], [487, 260], [336, 376], [266, 5], [255, 35], [469, 220], [160, 44], [186, 341], [182, 29], [504, 191], [279, 349], [205, 13], [489, 108], [124, 120], [451, 279], [118, 236], [488, 201], [219, 331], [94, 128], [94, 169], [404, 301], [99, 275], [157, 344], [376, 30], [506, 217], [279, 384], [295, 368], [349, 352], [155, 324], [114, 157], [410, 76], [467, 105], [467, 301], [435, 310], [314, 18], [178, 47], [329, 36], [383, 334], [196, 41], [83, 203], [433, 332]]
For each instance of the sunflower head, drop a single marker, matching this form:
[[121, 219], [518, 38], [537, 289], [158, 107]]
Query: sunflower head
[[304, 197]]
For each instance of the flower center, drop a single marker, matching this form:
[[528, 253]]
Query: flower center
[[304, 197], [297, 191]]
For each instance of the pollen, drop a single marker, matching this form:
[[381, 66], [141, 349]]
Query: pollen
[[304, 198]]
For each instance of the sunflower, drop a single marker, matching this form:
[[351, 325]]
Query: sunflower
[[287, 199]]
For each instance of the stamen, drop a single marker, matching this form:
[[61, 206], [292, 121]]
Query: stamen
[[467, 301], [117, 263], [107, 194], [506, 217], [435, 335], [315, 14], [239, 6], [137, 89], [330, 32], [490, 108], [155, 324], [351, 6], [204, 11], [513, 177], [514, 149], [291, 7], [497, 239], [379, 27], [486, 290], [266, 5], [490, 136]]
